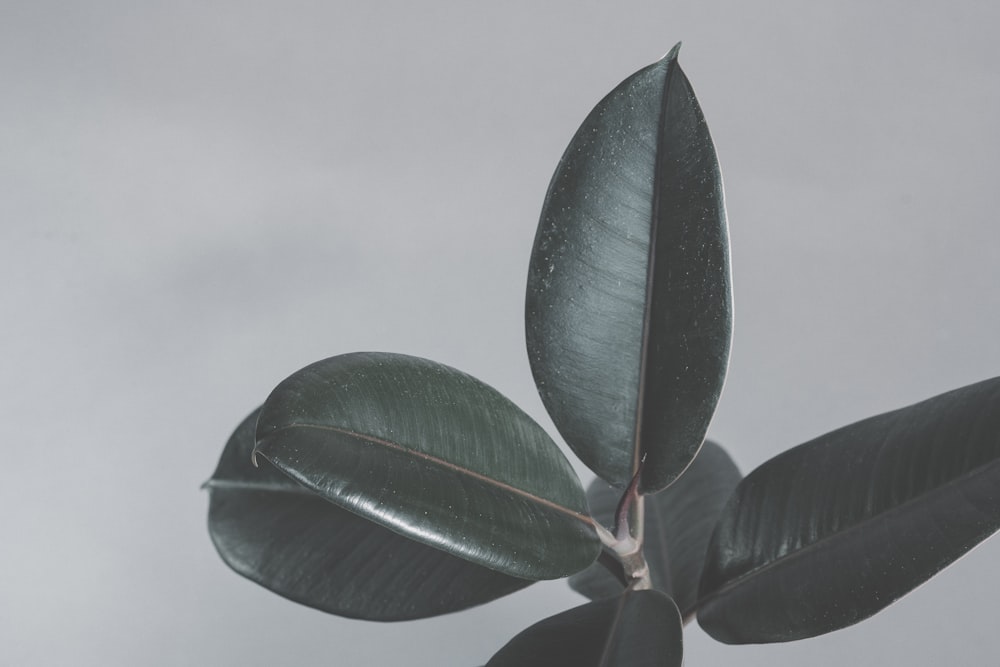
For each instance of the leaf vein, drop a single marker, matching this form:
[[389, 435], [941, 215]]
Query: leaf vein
[[434, 460]]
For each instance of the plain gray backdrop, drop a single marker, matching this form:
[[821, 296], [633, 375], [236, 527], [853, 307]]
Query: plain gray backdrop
[[197, 199]]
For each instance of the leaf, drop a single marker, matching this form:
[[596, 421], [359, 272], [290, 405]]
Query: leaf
[[832, 531], [635, 629], [678, 524], [432, 454], [629, 307], [284, 537]]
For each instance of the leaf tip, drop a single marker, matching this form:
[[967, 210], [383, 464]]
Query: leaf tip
[[672, 53], [253, 458]]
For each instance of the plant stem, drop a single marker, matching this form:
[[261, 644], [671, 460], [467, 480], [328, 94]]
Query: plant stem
[[625, 544], [629, 550]]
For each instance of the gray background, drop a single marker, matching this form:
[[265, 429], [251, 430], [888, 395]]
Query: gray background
[[198, 199]]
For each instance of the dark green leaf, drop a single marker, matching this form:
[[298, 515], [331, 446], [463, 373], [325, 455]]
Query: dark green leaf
[[834, 530], [629, 308], [284, 537], [434, 455], [636, 629], [677, 527]]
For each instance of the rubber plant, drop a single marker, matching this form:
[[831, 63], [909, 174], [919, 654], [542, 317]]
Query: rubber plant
[[386, 487]]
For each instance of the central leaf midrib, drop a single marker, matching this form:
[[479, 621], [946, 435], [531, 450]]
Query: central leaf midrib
[[249, 485], [759, 570], [610, 640], [654, 225], [434, 460]]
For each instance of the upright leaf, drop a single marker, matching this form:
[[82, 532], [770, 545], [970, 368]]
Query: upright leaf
[[834, 530], [635, 629], [678, 524], [274, 531], [432, 454], [629, 309]]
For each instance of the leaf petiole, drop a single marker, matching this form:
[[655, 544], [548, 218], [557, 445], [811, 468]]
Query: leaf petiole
[[624, 546]]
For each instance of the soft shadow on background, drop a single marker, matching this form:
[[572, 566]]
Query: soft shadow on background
[[198, 201]]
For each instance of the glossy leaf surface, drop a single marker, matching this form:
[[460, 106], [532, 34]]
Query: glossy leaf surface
[[432, 454], [277, 533], [629, 308], [834, 530], [636, 629], [678, 524]]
